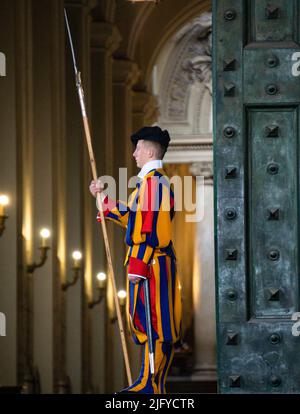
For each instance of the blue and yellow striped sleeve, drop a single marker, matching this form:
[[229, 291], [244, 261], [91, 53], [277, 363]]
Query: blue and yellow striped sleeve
[[116, 211]]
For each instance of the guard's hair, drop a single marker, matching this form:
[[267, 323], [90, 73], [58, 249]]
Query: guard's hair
[[158, 148]]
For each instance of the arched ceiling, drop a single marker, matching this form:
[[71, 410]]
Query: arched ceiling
[[104, 11], [146, 27]]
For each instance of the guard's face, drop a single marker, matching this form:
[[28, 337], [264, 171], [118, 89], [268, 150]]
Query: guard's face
[[141, 154]]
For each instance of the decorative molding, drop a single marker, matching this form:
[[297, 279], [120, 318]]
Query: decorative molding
[[184, 81], [125, 72], [110, 10], [199, 70], [186, 139], [144, 104], [191, 147], [88, 5], [185, 155], [204, 168], [143, 13], [190, 64], [105, 36]]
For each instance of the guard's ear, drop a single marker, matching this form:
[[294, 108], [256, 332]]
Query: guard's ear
[[150, 151]]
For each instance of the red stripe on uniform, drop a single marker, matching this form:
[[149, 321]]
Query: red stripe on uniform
[[172, 202], [137, 322], [149, 205], [107, 206], [153, 300], [138, 267]]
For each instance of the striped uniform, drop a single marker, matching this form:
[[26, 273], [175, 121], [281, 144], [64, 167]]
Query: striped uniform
[[147, 219]]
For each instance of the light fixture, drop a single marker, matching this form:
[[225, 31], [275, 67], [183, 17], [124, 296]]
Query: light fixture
[[101, 278], [45, 235], [122, 301], [101, 287], [4, 201], [77, 256], [63, 386], [77, 267], [122, 297]]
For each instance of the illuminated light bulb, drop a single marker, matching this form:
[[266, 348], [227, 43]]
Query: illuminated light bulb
[[45, 234], [77, 256], [4, 201], [122, 297], [101, 277]]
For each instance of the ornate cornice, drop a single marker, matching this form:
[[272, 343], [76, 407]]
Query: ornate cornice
[[125, 72], [204, 169], [88, 5], [190, 64], [105, 36], [145, 104], [190, 147]]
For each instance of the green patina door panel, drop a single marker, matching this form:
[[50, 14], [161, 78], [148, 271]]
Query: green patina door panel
[[256, 163]]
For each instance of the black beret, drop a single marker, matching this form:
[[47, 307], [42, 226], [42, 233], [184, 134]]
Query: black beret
[[154, 133]]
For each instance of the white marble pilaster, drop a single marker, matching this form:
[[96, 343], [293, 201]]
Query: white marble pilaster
[[204, 282]]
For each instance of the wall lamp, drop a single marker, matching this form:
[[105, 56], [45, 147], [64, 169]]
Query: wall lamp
[[45, 235], [77, 256], [122, 301], [4, 201], [101, 287]]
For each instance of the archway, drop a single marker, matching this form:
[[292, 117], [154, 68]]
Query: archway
[[181, 83]]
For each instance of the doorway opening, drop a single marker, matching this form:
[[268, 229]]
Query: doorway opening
[[182, 85]]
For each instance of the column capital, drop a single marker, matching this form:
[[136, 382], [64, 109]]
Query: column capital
[[145, 105], [204, 168], [105, 36], [88, 5], [125, 72]]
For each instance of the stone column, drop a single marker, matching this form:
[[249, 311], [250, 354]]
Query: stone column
[[39, 121], [59, 192], [125, 75], [10, 169], [105, 39], [204, 282], [79, 204]]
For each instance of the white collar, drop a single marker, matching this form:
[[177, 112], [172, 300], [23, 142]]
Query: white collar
[[150, 165]]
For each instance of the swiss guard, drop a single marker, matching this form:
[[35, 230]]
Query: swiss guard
[[154, 300]]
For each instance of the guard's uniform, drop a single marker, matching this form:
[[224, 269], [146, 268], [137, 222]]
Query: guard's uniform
[[147, 218]]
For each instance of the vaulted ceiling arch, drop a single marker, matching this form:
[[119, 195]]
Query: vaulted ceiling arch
[[154, 27]]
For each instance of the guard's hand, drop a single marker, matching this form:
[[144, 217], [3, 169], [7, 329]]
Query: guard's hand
[[134, 279], [96, 187]]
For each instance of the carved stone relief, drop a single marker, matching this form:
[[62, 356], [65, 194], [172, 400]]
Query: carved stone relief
[[190, 64]]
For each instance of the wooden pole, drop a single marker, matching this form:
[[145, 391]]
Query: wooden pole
[[99, 203]]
